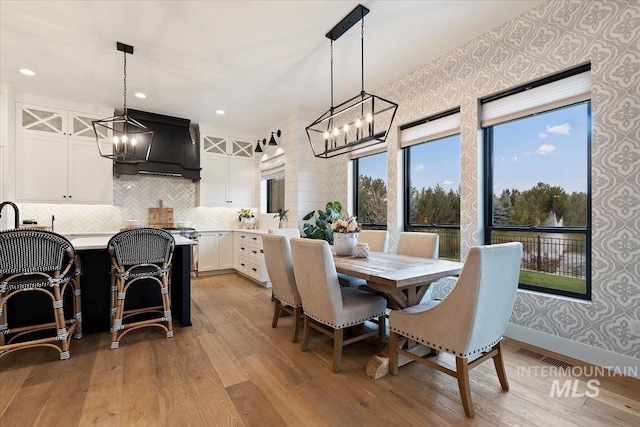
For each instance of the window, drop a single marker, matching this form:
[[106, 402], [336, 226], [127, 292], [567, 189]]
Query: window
[[370, 191], [537, 187], [275, 194], [432, 179]]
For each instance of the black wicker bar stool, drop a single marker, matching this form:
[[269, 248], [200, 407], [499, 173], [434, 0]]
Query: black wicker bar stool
[[35, 262], [140, 256]]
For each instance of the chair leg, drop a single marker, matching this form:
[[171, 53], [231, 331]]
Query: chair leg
[[462, 371], [166, 304], [276, 313], [297, 311], [382, 331], [393, 354], [116, 320], [338, 340], [498, 361], [304, 345], [77, 306]]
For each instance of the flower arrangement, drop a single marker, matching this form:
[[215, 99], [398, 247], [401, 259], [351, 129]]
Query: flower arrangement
[[346, 225], [244, 213], [282, 214]]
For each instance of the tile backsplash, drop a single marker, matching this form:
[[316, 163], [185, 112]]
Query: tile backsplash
[[133, 195]]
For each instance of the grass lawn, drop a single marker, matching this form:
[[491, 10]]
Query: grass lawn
[[570, 284]]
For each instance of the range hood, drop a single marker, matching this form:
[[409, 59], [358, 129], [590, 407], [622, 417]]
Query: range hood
[[174, 151]]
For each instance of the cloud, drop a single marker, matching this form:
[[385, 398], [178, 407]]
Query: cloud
[[563, 129], [545, 149], [419, 168], [542, 135], [447, 182], [514, 158]]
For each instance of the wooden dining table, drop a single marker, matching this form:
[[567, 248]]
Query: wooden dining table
[[403, 280]]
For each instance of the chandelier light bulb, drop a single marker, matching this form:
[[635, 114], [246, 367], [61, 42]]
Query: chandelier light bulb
[[133, 142], [335, 131], [326, 135], [116, 140], [358, 123], [369, 118], [125, 138], [346, 128]]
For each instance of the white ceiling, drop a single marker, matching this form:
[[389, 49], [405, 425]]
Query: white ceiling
[[257, 60]]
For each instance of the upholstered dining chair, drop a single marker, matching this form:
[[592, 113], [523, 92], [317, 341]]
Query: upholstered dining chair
[[376, 239], [287, 232], [329, 308], [424, 245], [277, 257], [470, 321], [32, 263], [140, 256]]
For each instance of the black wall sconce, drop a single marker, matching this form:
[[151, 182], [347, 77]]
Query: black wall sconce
[[272, 141]]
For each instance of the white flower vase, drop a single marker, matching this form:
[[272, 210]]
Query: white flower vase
[[343, 243]]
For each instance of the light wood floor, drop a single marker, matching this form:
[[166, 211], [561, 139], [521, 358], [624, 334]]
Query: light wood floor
[[232, 368]]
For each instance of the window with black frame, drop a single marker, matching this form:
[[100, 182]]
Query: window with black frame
[[370, 191], [431, 149], [537, 180]]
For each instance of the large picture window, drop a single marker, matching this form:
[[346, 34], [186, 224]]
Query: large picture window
[[432, 179], [370, 191], [538, 189]]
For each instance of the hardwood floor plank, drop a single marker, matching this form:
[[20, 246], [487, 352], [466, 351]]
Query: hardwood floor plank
[[254, 408], [229, 369]]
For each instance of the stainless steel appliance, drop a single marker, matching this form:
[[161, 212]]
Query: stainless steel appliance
[[191, 234]]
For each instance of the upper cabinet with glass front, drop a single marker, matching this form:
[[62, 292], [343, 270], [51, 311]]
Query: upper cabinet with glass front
[[57, 159], [224, 145]]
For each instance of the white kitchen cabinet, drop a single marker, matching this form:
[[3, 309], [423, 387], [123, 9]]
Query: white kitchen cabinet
[[215, 250], [57, 160], [249, 257], [228, 172]]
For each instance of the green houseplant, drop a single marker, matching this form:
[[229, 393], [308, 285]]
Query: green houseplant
[[281, 216], [320, 228]]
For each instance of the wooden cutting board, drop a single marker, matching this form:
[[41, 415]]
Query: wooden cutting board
[[161, 217]]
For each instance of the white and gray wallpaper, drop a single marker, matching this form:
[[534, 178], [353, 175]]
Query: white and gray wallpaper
[[552, 37]]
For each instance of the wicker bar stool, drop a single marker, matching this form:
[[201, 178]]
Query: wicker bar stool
[[138, 256], [38, 262]]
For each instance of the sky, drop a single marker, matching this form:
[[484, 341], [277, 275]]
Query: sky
[[549, 147]]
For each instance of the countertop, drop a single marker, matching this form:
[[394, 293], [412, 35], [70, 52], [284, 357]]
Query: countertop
[[100, 242]]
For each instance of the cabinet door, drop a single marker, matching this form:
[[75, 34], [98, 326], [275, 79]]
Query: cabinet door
[[41, 168], [225, 246], [208, 251], [212, 188], [242, 184], [90, 176], [80, 126], [38, 120]]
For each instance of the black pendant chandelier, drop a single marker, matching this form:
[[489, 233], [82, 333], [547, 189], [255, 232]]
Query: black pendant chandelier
[[359, 122], [131, 142]]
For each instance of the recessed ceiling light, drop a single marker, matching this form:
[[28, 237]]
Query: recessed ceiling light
[[221, 112], [27, 72], [140, 95]]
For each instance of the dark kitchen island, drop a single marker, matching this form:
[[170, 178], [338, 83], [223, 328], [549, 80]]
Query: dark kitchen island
[[95, 283]]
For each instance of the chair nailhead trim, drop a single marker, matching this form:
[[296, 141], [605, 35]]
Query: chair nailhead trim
[[345, 325], [483, 349]]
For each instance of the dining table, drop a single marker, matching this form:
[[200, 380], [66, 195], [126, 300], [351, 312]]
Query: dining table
[[403, 280]]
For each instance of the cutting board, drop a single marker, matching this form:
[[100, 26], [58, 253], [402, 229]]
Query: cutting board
[[161, 217]]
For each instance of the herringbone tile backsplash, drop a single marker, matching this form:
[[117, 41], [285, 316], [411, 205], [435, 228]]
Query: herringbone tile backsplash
[[133, 195]]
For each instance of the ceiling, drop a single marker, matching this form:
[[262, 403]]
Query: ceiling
[[259, 61]]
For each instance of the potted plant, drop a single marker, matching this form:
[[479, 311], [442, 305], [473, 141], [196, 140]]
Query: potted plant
[[345, 235], [321, 227], [282, 217], [246, 216]]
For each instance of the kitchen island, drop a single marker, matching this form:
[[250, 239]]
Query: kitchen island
[[95, 282]]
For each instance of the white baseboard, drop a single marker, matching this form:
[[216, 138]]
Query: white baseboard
[[576, 350]]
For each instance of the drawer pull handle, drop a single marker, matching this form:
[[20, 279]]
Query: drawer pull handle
[[242, 264], [254, 269], [254, 238], [242, 249], [242, 237], [255, 252]]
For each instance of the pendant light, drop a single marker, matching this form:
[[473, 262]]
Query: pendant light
[[130, 140], [359, 122]]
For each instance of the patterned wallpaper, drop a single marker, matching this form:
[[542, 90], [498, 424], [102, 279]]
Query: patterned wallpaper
[[552, 37], [132, 196]]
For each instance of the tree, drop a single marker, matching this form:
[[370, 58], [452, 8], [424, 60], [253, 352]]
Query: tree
[[372, 200]]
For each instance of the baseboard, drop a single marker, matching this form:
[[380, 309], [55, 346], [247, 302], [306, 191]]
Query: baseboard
[[576, 350]]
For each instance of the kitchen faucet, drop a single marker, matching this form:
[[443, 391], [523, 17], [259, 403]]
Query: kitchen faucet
[[15, 209]]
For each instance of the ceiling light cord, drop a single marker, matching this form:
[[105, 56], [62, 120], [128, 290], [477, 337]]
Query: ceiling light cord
[[332, 75], [125, 83], [361, 54]]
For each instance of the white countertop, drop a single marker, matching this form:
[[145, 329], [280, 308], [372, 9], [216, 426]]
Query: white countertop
[[100, 242]]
